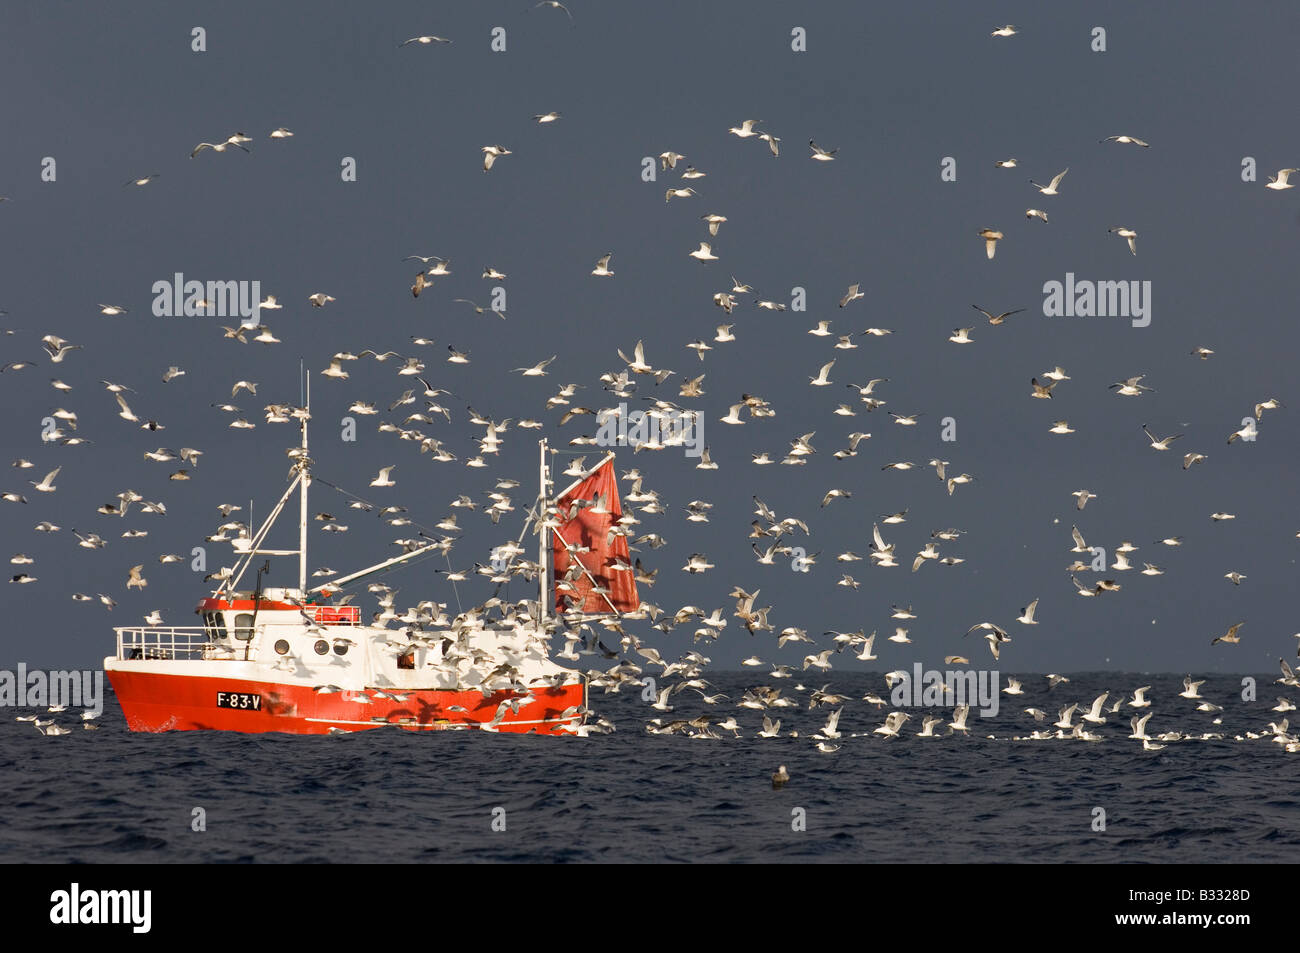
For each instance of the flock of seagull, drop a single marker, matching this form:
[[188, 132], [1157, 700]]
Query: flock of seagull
[[421, 406]]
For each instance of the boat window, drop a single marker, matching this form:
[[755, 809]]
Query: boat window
[[218, 626], [322, 647], [281, 647], [406, 659], [244, 626]]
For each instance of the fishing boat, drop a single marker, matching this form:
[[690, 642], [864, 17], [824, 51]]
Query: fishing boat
[[301, 660]]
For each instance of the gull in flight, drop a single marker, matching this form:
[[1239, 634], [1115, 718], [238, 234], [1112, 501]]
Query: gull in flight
[[1006, 163], [851, 295], [1129, 387], [745, 129], [602, 266], [820, 154], [991, 238], [143, 180], [554, 5], [1051, 188], [1036, 213], [1027, 614], [1128, 233], [1163, 443], [1279, 181], [1008, 30], [704, 253], [537, 370], [547, 117], [383, 478], [423, 41], [1231, 636], [47, 484], [1126, 140], [822, 379], [234, 140], [492, 153], [997, 318]]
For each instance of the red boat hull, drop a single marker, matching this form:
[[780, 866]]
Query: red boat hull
[[158, 702]]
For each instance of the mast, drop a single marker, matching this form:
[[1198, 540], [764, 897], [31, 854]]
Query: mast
[[305, 479], [543, 535]]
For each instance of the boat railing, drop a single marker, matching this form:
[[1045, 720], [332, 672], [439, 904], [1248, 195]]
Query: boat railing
[[164, 642]]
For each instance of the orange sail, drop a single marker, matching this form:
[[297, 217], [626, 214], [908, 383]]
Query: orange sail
[[585, 515]]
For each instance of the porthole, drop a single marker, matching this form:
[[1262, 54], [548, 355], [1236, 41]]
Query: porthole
[[281, 647], [322, 647], [340, 648]]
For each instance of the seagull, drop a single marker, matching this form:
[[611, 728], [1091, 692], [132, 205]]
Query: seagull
[[1127, 140], [1006, 163], [537, 370], [704, 253], [1027, 614], [47, 484], [851, 295], [1231, 636], [997, 318], [423, 41], [1191, 689], [820, 154], [1236, 577], [1008, 30], [491, 154], [1130, 386], [547, 117], [383, 478], [1036, 213], [1160, 444], [1128, 233], [822, 379], [143, 180], [602, 266], [961, 336], [991, 238], [281, 133], [1050, 189], [1279, 181], [745, 129], [781, 776], [555, 5], [320, 299], [215, 146]]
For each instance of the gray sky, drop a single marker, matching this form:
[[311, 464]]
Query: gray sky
[[114, 91]]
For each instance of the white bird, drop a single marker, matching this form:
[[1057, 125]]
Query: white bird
[[47, 484], [704, 253], [1051, 188], [745, 129], [1128, 233], [1279, 181], [1008, 30], [991, 238], [423, 41], [491, 154], [383, 478], [1027, 614], [602, 266], [1127, 140], [822, 379]]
